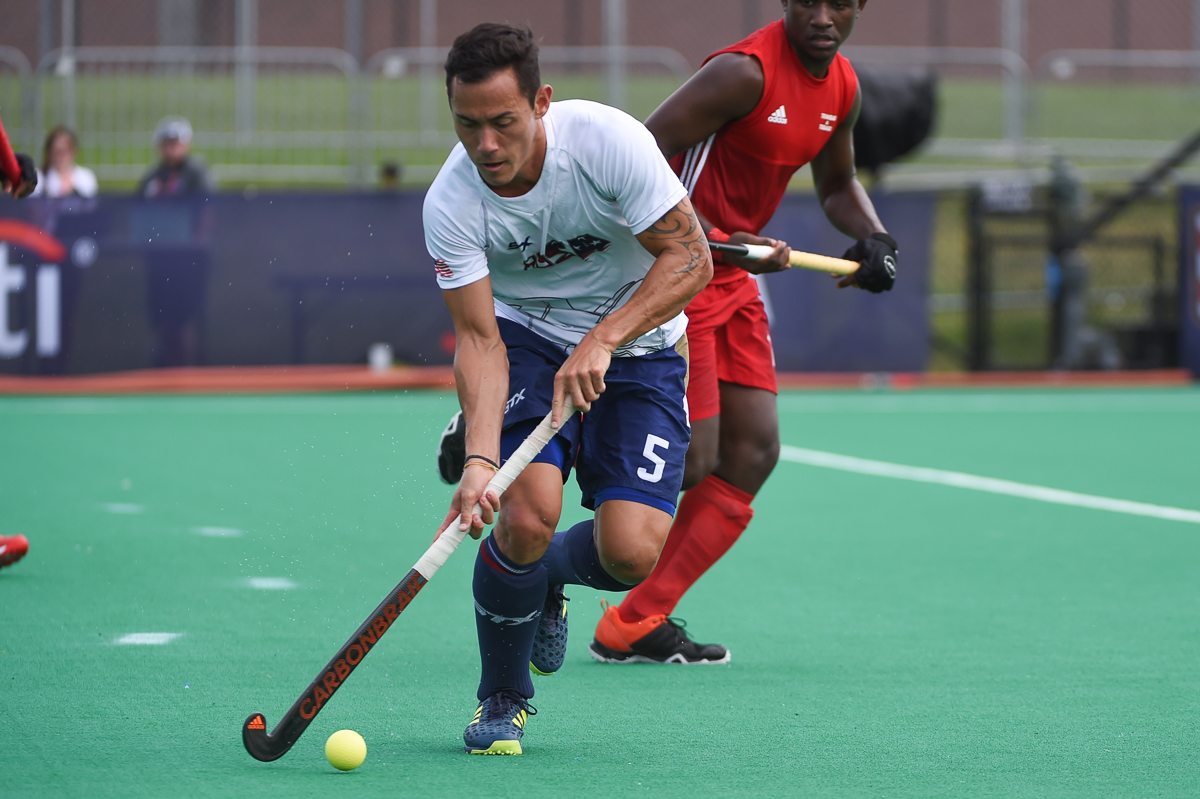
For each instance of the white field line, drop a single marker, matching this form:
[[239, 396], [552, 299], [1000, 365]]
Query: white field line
[[147, 639], [269, 583], [218, 532], [991, 485], [123, 507]]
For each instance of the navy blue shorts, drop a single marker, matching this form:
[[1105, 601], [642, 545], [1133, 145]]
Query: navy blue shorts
[[631, 445]]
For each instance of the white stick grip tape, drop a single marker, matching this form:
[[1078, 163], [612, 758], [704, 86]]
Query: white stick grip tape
[[450, 536], [757, 252]]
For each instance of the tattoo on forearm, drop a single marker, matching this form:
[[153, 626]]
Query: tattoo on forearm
[[680, 225], [697, 255]]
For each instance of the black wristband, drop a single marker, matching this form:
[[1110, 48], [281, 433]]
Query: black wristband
[[488, 461], [888, 240]]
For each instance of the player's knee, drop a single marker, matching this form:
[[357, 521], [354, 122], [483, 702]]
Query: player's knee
[[768, 453], [756, 456], [524, 533], [697, 467], [630, 562], [702, 452]]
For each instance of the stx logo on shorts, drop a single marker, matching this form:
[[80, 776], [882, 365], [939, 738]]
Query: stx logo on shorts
[[443, 269], [513, 400], [827, 121]]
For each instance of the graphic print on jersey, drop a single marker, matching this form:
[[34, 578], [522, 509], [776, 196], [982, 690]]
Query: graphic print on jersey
[[557, 252], [540, 308], [779, 116]]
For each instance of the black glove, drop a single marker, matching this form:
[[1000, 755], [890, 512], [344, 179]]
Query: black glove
[[27, 181], [28, 173], [452, 450], [878, 257], [28, 170]]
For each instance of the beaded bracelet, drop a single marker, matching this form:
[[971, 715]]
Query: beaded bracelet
[[495, 467]]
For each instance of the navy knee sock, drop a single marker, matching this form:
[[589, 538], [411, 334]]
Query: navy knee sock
[[508, 602], [572, 559]]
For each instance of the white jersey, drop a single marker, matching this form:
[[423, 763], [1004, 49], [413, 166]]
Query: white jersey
[[565, 254]]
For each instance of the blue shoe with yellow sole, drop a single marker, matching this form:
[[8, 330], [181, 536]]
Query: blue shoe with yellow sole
[[498, 725], [550, 640]]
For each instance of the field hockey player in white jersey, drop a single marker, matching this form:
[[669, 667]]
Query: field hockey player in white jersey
[[567, 250]]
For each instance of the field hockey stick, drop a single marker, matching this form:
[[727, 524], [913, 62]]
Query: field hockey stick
[[8, 160], [262, 746], [803, 260]]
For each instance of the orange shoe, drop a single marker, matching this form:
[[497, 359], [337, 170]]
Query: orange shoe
[[655, 639], [12, 549]]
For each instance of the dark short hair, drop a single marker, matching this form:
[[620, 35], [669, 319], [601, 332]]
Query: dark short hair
[[489, 48]]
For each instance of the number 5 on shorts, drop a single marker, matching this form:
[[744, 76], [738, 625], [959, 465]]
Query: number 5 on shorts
[[653, 441]]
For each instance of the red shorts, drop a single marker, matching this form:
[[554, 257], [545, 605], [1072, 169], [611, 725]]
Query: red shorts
[[729, 341]]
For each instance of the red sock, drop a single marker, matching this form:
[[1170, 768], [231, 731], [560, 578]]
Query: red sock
[[711, 517]]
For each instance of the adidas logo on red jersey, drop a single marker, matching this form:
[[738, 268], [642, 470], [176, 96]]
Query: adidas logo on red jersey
[[779, 117]]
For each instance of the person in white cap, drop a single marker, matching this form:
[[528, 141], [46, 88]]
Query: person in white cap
[[179, 172], [177, 261]]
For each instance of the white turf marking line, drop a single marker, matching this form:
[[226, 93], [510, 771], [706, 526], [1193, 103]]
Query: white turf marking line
[[123, 507], [147, 639], [991, 485], [1072, 402], [270, 583], [218, 532]]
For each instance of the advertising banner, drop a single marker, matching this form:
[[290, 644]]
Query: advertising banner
[[817, 327], [120, 283], [1189, 278]]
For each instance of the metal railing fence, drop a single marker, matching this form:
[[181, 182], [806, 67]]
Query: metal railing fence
[[1108, 106], [277, 114], [16, 94], [316, 115], [259, 113]]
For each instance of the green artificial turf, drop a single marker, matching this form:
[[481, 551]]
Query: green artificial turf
[[889, 638]]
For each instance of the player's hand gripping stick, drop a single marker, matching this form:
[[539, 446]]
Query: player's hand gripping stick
[[803, 260], [267, 747]]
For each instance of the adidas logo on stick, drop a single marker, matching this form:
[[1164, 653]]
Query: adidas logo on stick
[[779, 117]]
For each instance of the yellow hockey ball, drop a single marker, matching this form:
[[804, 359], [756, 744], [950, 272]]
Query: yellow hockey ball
[[345, 750]]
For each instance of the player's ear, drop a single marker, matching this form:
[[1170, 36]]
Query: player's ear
[[861, 5], [541, 101]]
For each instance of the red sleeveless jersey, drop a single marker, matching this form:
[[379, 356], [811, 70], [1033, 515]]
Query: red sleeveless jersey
[[737, 177]]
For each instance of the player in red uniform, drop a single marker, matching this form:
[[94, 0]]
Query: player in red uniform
[[18, 177], [735, 133]]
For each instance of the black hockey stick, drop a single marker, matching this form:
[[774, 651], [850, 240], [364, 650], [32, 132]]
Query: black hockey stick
[[267, 747], [804, 260]]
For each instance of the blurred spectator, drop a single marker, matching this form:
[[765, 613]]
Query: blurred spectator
[[390, 173], [60, 176], [178, 173], [69, 190], [175, 227]]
